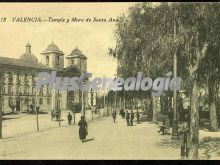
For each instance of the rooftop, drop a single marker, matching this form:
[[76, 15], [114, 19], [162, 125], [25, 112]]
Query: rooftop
[[52, 48], [76, 53], [21, 63]]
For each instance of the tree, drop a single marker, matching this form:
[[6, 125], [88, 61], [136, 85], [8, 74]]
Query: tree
[[146, 41]]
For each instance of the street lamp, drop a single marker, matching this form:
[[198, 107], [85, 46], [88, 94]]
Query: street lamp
[[36, 110], [74, 113]]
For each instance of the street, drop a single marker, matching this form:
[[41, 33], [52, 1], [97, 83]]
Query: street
[[106, 140]]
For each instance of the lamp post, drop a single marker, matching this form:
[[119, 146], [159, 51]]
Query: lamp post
[[74, 114], [58, 107], [36, 110]]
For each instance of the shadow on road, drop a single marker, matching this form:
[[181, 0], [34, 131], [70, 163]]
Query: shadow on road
[[167, 143], [9, 118], [210, 145], [91, 139]]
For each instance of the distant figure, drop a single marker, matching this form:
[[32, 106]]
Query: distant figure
[[184, 138], [82, 128], [181, 110], [38, 109], [127, 118], [132, 118], [122, 113], [138, 117], [69, 117], [114, 115], [162, 127]]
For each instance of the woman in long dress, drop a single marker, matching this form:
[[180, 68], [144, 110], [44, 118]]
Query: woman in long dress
[[82, 128]]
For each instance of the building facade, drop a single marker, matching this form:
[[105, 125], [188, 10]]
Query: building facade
[[18, 80]]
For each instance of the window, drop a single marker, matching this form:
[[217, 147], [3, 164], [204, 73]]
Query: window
[[18, 78], [72, 61], [33, 101], [40, 101], [33, 78], [26, 90], [17, 90], [48, 91], [58, 93], [10, 101], [48, 100], [41, 91], [10, 78], [58, 60], [75, 61], [2, 76], [3, 89], [47, 60], [26, 79], [32, 90], [10, 90]]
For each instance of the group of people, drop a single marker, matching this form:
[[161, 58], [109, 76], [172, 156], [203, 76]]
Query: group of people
[[128, 116]]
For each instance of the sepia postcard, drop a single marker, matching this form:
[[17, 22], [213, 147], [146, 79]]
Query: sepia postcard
[[110, 81]]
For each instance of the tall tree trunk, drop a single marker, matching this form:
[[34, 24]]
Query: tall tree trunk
[[166, 102], [162, 103], [213, 116], [194, 124], [212, 108], [154, 109]]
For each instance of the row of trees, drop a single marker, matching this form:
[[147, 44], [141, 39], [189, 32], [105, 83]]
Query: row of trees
[[149, 37]]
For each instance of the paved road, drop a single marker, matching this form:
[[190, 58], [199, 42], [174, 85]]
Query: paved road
[[106, 140]]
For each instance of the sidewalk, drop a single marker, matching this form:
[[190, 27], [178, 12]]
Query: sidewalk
[[19, 124]]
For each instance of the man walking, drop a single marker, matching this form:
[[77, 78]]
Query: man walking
[[138, 117], [122, 113], [69, 117], [127, 118], [132, 118], [184, 138], [114, 115]]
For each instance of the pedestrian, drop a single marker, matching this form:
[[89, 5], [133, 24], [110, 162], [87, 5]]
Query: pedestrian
[[132, 118], [181, 110], [122, 113], [83, 132], [184, 138], [138, 117], [162, 127], [114, 115], [127, 118], [69, 117]]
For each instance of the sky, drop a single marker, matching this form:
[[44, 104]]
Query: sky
[[93, 38]]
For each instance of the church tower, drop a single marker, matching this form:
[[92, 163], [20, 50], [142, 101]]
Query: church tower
[[53, 57], [78, 59]]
